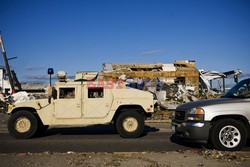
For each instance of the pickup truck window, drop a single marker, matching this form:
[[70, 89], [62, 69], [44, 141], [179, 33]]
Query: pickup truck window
[[95, 92], [66, 93], [241, 90]]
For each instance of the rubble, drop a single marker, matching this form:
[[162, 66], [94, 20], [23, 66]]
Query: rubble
[[21, 97], [175, 95], [206, 78], [226, 155], [31, 91], [173, 84]]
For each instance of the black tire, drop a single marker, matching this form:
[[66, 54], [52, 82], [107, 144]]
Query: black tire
[[19, 115], [236, 135], [136, 117], [44, 128], [41, 129], [115, 130]]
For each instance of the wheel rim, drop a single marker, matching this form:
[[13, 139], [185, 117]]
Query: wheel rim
[[229, 136], [22, 125], [130, 124]]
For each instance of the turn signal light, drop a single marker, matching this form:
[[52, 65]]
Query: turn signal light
[[199, 111]]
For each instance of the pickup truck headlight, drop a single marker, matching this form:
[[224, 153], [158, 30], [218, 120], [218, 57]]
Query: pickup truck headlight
[[196, 114]]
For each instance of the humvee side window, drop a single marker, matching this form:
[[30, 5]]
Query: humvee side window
[[95, 92], [66, 93]]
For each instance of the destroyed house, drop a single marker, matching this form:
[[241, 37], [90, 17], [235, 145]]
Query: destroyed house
[[182, 72]]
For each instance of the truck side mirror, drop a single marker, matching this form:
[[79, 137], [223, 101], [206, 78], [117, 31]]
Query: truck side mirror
[[49, 93], [52, 93], [49, 99]]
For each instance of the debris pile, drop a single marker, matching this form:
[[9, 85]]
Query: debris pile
[[168, 95], [206, 78], [175, 95], [20, 97], [173, 84], [226, 155], [23, 96]]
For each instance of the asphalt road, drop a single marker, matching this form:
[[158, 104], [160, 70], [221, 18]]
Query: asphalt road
[[156, 137], [99, 138]]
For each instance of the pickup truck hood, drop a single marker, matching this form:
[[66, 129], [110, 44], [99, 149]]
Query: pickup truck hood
[[208, 102]]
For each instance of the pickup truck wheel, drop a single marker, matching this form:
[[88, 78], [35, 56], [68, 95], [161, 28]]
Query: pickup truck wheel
[[130, 124], [228, 135], [22, 125]]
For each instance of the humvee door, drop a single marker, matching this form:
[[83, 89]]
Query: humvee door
[[68, 104]]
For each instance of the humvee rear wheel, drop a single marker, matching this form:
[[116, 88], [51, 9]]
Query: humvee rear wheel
[[130, 124], [22, 125]]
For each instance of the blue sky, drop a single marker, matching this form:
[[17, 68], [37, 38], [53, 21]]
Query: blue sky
[[81, 35]]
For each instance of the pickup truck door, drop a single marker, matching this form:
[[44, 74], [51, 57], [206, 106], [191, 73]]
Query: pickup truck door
[[68, 104]]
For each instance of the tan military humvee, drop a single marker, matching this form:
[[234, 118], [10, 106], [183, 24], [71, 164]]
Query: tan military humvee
[[81, 103]]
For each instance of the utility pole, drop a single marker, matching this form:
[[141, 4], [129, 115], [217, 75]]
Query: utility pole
[[7, 65]]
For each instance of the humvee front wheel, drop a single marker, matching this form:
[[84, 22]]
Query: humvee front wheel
[[130, 124], [22, 125]]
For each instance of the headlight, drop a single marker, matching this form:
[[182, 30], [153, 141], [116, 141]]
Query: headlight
[[196, 114], [196, 111]]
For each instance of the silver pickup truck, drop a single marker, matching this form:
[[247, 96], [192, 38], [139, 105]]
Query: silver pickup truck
[[223, 122]]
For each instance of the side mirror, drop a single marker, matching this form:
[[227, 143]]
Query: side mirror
[[52, 93], [49, 99], [49, 93]]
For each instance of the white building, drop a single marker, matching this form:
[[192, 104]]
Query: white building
[[4, 82]]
